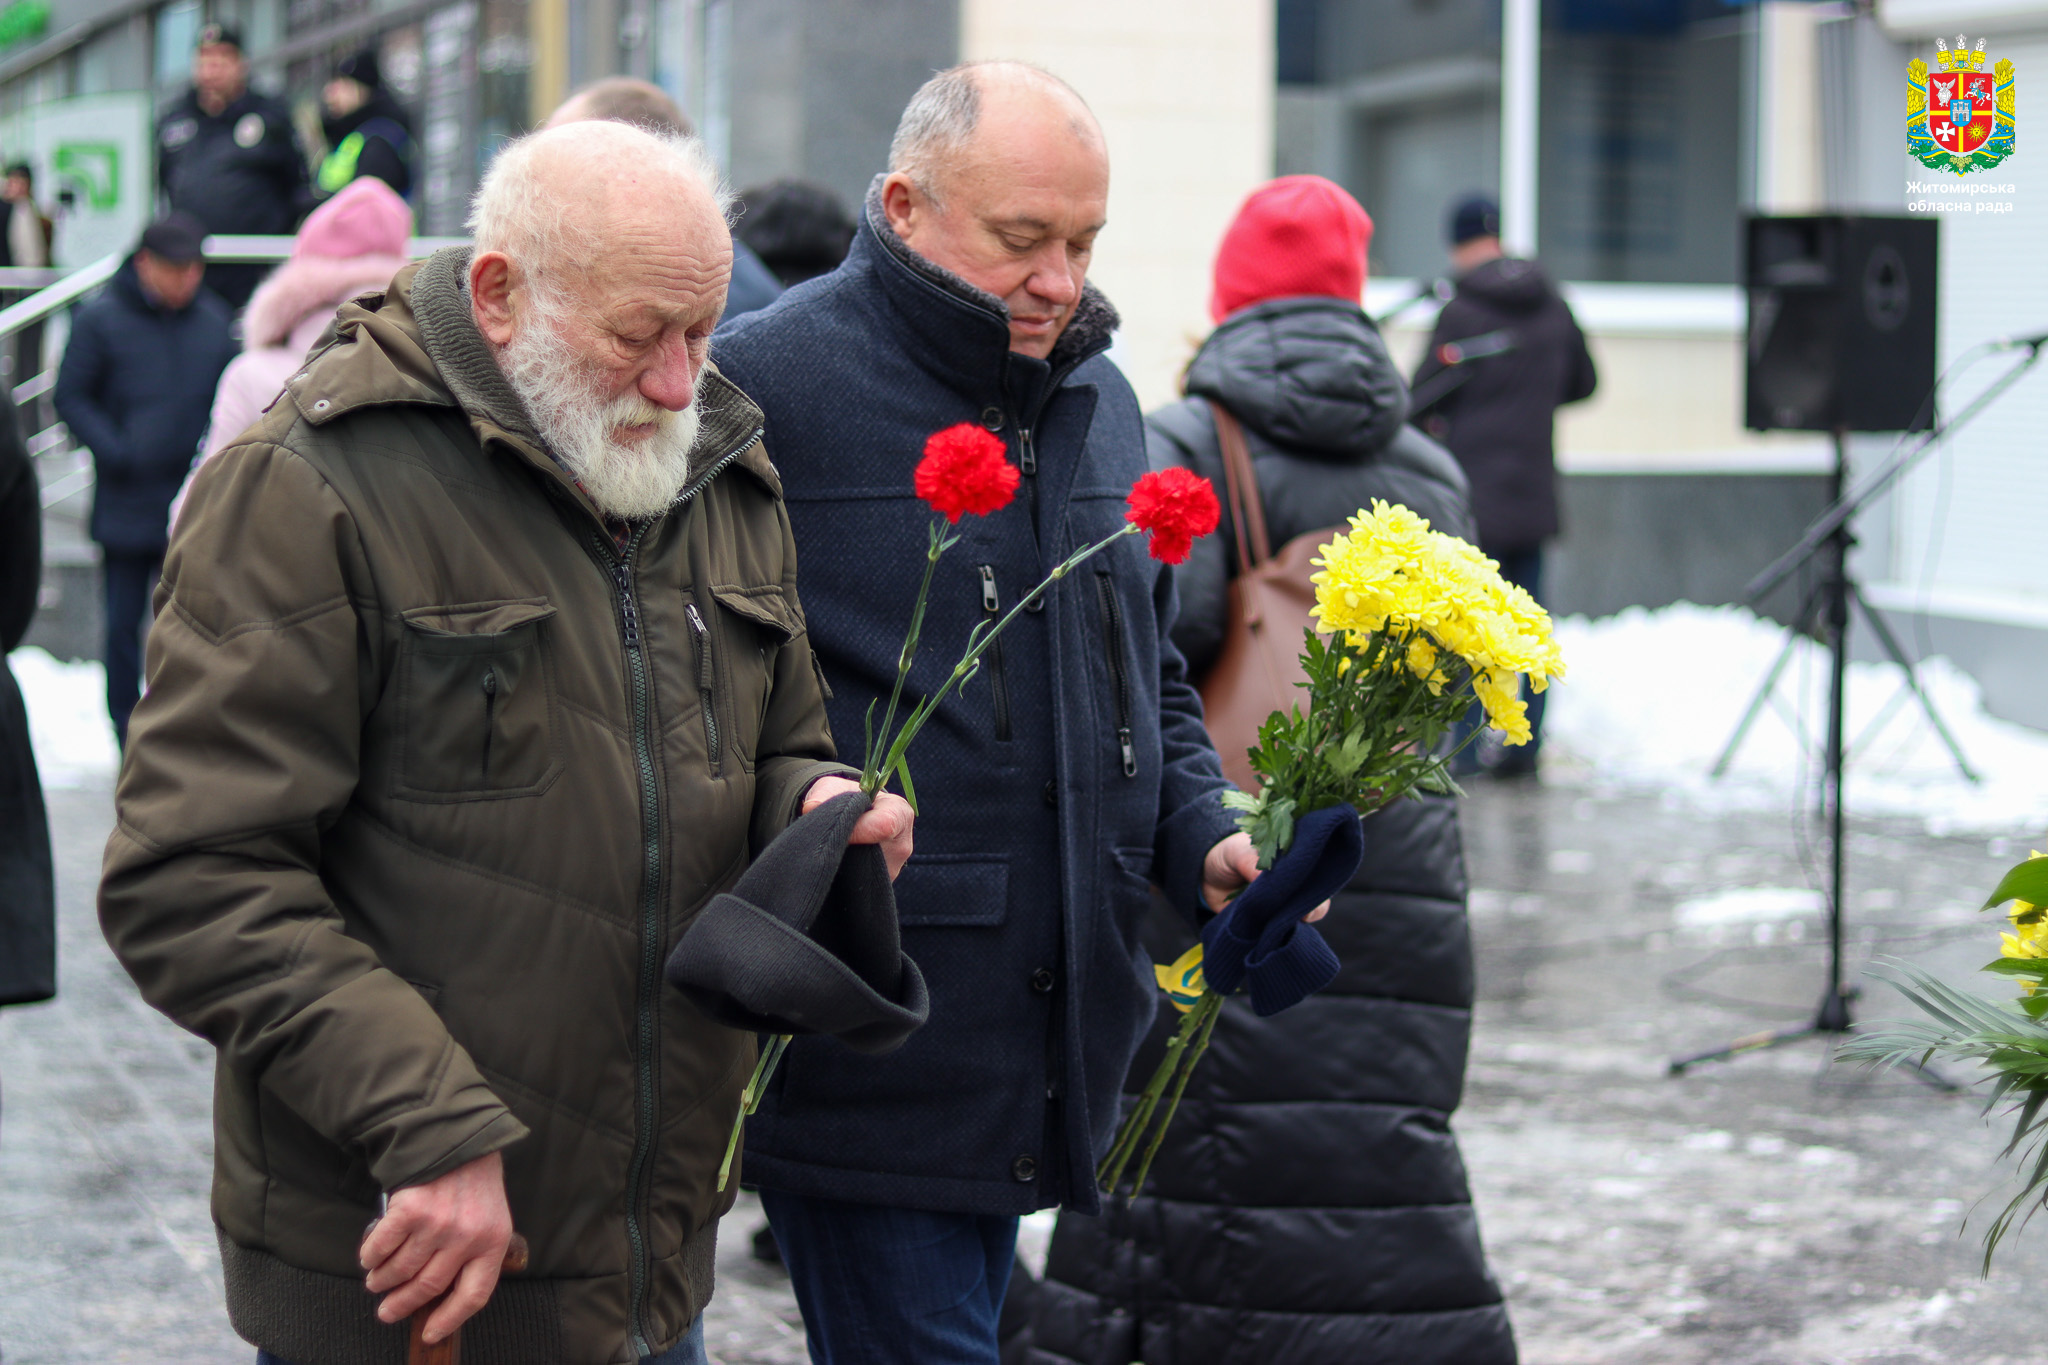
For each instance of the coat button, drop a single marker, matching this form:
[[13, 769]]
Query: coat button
[[992, 418], [1024, 1169], [1042, 981], [1052, 795]]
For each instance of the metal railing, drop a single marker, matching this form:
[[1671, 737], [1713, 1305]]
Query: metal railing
[[63, 469]]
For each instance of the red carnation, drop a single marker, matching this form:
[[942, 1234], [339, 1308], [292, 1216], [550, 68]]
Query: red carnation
[[1175, 507], [964, 469]]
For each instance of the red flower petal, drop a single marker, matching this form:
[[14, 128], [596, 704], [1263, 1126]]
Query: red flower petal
[[965, 469], [1175, 507]]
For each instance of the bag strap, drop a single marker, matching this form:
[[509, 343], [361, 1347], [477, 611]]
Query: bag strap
[[1247, 511]]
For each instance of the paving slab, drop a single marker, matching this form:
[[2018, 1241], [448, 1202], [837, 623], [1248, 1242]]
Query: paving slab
[[1774, 1210]]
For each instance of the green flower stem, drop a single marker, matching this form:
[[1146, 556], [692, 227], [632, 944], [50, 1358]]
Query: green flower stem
[[1211, 1006], [978, 645], [1175, 1067], [872, 775], [750, 1100]]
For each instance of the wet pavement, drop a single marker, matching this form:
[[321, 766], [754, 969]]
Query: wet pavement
[[1771, 1209]]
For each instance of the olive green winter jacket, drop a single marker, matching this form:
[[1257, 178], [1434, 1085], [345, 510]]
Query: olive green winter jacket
[[428, 781]]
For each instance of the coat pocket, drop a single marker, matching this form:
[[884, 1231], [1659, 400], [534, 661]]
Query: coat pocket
[[476, 702], [749, 629], [953, 889]]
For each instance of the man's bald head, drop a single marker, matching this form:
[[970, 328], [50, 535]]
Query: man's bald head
[[623, 99], [599, 268], [938, 129], [1001, 175]]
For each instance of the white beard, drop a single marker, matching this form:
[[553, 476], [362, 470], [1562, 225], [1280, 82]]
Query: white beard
[[625, 480]]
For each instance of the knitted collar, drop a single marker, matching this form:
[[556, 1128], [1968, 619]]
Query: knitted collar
[[440, 305], [1087, 332]]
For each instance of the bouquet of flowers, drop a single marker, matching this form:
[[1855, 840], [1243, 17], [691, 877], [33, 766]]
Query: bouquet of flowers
[[1419, 624], [2009, 1037], [966, 471]]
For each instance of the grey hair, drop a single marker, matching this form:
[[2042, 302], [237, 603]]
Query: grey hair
[[513, 212], [941, 117]]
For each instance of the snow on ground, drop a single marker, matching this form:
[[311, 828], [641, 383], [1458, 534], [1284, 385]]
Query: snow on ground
[[67, 718], [1653, 696]]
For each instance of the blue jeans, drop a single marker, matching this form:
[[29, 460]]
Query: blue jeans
[[688, 1351], [882, 1286]]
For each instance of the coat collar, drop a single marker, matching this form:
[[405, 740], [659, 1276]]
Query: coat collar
[[417, 343], [963, 329]]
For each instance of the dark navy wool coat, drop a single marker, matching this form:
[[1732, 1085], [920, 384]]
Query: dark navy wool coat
[[1063, 780], [136, 388]]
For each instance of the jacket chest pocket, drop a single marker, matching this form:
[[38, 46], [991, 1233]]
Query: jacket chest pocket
[[476, 703], [737, 643]]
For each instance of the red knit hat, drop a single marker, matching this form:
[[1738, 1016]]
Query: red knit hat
[[1300, 234]]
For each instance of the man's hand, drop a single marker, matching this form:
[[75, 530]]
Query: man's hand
[[1233, 865], [451, 1231], [888, 821]]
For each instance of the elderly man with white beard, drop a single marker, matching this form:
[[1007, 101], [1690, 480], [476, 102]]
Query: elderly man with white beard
[[478, 670]]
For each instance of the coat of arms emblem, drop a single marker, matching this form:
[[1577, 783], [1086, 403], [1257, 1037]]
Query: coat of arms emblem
[[1959, 117]]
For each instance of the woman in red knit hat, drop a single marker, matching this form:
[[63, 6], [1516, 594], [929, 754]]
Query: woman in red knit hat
[[1309, 1205]]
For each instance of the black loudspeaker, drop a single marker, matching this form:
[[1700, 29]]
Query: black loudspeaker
[[1841, 323]]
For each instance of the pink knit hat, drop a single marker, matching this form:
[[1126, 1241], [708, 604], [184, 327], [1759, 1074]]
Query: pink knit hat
[[366, 218]]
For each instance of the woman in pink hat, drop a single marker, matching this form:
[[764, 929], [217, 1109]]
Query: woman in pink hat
[[352, 244]]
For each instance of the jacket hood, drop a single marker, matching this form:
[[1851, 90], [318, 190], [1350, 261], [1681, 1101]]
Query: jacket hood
[[306, 287], [1310, 375], [1510, 283]]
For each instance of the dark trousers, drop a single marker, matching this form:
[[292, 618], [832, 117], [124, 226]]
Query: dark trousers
[[882, 1286], [1523, 568], [688, 1351], [129, 580]]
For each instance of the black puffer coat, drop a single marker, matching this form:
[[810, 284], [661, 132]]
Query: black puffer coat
[[1499, 418], [1309, 1206], [28, 929]]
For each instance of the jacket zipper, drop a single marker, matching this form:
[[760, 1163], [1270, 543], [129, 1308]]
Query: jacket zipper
[[707, 690], [490, 715], [998, 685], [1119, 670], [647, 1003]]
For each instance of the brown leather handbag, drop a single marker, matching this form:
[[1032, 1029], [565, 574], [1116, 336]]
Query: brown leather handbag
[[1258, 670]]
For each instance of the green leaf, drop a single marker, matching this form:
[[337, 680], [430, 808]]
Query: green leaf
[[1239, 800], [909, 787], [2035, 967], [2026, 882]]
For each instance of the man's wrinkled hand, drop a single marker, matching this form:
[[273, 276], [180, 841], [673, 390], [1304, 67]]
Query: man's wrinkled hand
[[1233, 865], [888, 822], [448, 1232]]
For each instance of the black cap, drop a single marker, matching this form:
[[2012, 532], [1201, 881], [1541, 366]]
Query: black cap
[[807, 941], [1475, 215], [176, 237], [220, 35], [360, 67]]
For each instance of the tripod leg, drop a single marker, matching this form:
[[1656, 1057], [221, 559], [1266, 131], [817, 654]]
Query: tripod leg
[[1883, 631], [1749, 1042], [1763, 694]]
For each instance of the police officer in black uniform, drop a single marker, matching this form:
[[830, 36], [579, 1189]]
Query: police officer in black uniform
[[228, 156]]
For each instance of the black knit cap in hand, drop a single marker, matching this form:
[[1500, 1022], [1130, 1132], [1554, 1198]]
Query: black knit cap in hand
[[806, 941]]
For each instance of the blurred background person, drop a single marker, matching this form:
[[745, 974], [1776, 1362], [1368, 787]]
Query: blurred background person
[[646, 105], [1309, 1206], [227, 155], [25, 243], [352, 244], [28, 904], [135, 387], [367, 131], [798, 228], [1506, 353]]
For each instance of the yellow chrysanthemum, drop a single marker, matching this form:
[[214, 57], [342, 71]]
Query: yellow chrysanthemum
[[1421, 660], [2025, 940], [1391, 572]]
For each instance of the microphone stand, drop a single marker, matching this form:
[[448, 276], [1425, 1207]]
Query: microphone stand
[[1829, 539]]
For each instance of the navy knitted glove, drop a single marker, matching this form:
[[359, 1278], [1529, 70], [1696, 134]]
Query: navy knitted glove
[[1259, 938]]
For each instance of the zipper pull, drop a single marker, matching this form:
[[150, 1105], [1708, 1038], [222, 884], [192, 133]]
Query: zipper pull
[[989, 603], [1027, 455], [490, 714], [697, 626], [629, 615], [1130, 751]]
